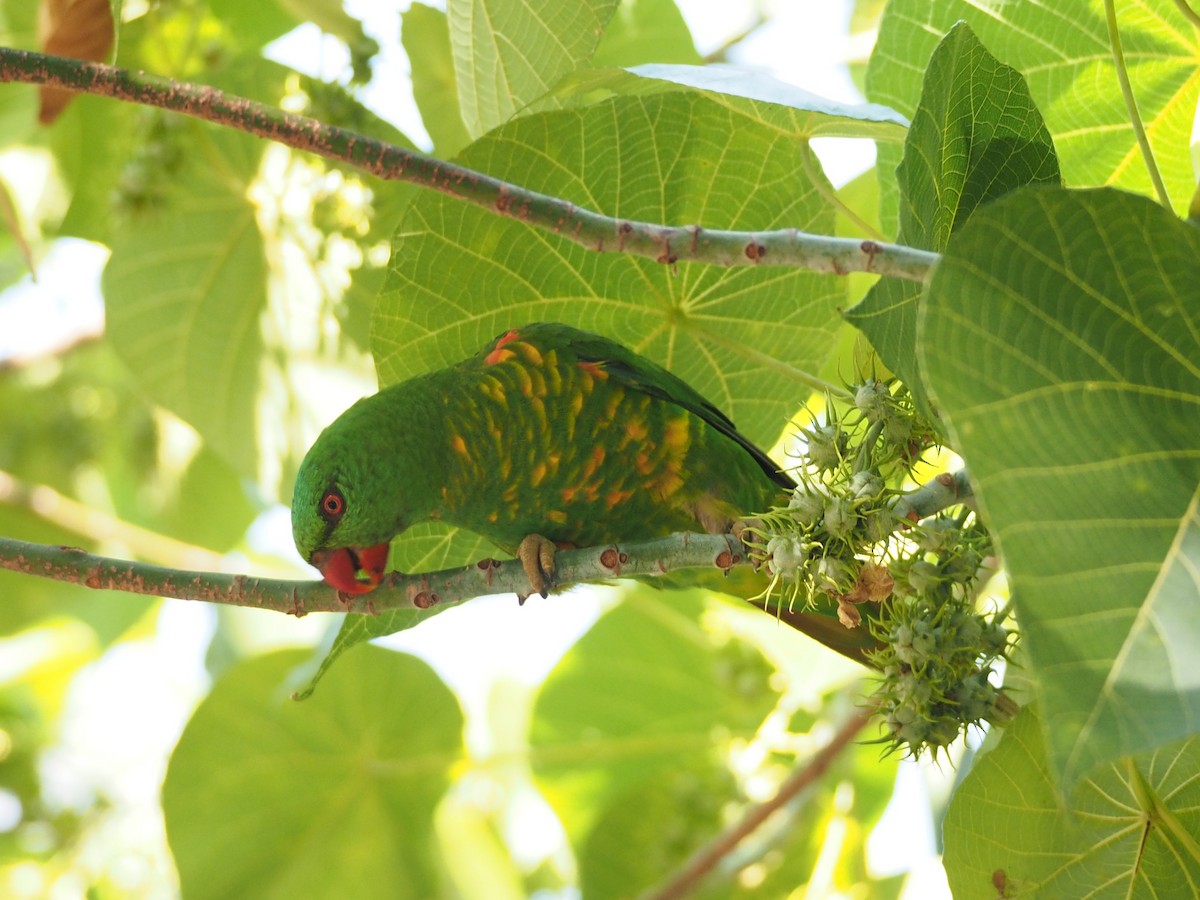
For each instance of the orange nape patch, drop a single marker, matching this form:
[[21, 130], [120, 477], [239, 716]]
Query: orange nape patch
[[499, 354], [595, 369]]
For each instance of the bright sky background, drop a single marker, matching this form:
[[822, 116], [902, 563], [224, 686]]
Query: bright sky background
[[126, 710]]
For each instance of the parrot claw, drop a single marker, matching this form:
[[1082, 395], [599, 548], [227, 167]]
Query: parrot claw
[[747, 531], [536, 554]]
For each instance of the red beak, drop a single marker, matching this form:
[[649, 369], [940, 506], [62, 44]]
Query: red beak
[[352, 570]]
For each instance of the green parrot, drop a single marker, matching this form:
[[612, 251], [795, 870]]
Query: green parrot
[[549, 437]]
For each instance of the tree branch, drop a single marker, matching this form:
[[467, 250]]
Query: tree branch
[[647, 559], [398, 591], [707, 554], [693, 872], [603, 234]]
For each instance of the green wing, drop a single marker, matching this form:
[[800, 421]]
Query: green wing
[[640, 374]]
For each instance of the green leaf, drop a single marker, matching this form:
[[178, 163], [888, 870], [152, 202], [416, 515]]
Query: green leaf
[[210, 506], [644, 693], [666, 817], [460, 275], [1063, 50], [252, 25], [426, 38], [1061, 339], [646, 31], [184, 290], [976, 135], [775, 102], [509, 52], [1130, 830], [763, 100], [93, 142], [332, 798]]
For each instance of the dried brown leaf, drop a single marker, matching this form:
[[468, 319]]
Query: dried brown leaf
[[80, 29]]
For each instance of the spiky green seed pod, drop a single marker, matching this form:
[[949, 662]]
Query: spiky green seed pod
[[826, 446], [786, 554], [807, 506], [840, 517], [874, 400], [865, 486]]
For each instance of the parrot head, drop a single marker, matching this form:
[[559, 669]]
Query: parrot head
[[329, 533], [336, 526]]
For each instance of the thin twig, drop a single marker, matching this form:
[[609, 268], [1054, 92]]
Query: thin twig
[[422, 592], [646, 559], [1190, 14], [1135, 118], [693, 872], [604, 234], [721, 53]]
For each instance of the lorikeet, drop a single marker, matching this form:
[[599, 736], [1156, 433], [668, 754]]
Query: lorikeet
[[548, 437]]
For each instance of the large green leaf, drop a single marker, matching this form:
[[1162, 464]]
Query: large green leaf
[[1063, 51], [764, 100], [265, 797], [184, 290], [216, 286], [637, 717], [460, 275], [976, 135], [509, 52], [646, 30], [426, 39], [1061, 340], [1129, 832]]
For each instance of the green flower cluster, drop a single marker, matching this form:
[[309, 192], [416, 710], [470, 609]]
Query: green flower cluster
[[939, 652], [844, 538], [825, 540]]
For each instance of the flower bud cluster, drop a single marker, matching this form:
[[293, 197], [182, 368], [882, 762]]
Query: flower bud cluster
[[824, 543], [840, 541], [940, 652]]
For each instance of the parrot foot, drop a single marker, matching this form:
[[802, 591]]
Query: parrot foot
[[536, 554], [747, 531]]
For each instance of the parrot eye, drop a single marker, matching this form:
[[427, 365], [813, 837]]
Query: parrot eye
[[333, 504]]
